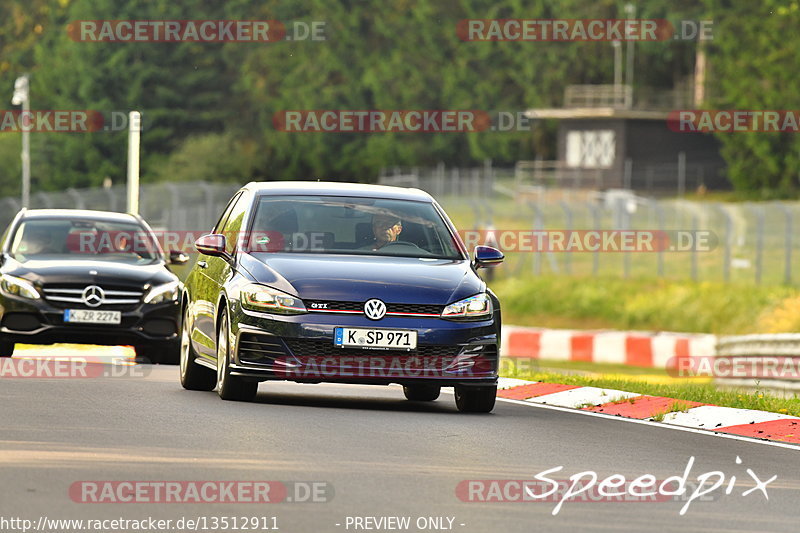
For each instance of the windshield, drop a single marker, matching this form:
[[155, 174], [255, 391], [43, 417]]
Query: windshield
[[74, 238], [345, 225]]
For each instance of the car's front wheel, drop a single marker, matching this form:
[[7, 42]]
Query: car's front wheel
[[193, 376], [6, 348], [230, 387], [421, 393], [475, 399]]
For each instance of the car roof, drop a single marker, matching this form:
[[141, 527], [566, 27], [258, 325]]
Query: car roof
[[79, 213], [332, 188]]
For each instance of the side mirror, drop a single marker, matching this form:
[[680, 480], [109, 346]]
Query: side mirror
[[486, 256], [176, 257], [212, 244]]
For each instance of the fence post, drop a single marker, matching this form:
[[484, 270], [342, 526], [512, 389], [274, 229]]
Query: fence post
[[112, 199], [76, 197], [488, 178], [623, 222], [440, 176], [627, 177], [596, 226], [209, 194], [787, 243], [728, 243], [759, 242], [45, 199], [174, 202], [655, 207], [568, 228], [694, 248], [538, 224]]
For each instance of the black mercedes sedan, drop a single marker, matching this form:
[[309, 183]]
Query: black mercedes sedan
[[93, 277], [331, 282]]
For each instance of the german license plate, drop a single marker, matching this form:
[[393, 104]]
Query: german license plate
[[385, 339], [91, 316]]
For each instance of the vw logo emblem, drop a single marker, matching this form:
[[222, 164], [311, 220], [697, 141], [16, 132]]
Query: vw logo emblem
[[93, 296], [374, 309]]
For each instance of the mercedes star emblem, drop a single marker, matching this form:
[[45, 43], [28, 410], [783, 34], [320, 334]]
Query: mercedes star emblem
[[93, 296]]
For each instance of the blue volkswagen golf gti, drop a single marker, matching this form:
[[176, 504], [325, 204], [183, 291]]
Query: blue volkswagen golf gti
[[348, 283]]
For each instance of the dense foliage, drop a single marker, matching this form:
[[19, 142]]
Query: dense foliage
[[208, 107]]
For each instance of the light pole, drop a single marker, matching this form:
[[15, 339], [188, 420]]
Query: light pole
[[617, 70], [134, 130], [22, 96], [630, 12]]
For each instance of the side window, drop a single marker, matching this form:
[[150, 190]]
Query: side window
[[224, 218], [233, 225]]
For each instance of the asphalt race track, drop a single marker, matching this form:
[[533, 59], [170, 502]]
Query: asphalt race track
[[380, 455]]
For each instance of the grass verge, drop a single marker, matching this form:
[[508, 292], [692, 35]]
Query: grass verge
[[647, 304]]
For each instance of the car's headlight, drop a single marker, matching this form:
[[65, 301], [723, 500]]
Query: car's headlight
[[474, 307], [163, 293], [18, 287], [262, 298]]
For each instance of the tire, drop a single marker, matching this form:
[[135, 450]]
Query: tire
[[193, 376], [230, 387], [168, 353], [6, 348], [421, 393], [475, 399]]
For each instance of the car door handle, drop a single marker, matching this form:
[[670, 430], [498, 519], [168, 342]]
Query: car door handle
[[202, 264]]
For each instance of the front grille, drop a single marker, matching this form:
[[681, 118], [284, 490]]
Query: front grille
[[257, 348], [70, 296], [314, 348], [415, 309], [322, 306]]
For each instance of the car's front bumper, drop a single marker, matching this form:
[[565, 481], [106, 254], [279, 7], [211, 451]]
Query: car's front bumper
[[300, 348], [40, 322]]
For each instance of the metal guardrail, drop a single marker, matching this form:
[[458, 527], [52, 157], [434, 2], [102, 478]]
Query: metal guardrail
[[760, 361], [775, 344]]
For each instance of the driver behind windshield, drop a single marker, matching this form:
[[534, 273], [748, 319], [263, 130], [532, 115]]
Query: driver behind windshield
[[385, 229], [37, 241]]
